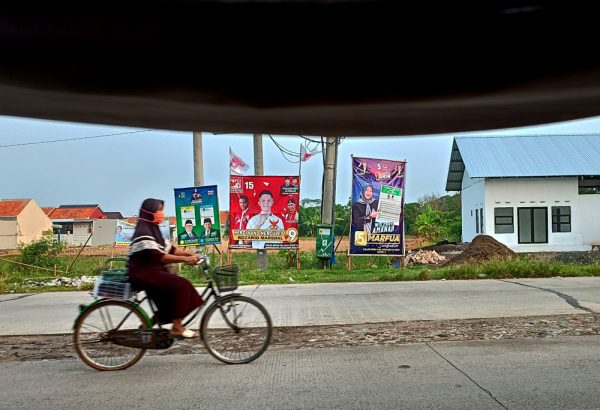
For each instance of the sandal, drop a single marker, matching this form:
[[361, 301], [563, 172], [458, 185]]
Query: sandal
[[186, 334]]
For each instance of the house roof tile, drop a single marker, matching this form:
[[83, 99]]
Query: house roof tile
[[12, 207], [47, 209], [73, 213]]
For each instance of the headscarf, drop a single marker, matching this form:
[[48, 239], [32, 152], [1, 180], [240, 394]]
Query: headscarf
[[367, 203], [147, 234]]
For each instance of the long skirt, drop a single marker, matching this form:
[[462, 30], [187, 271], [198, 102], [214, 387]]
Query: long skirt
[[174, 296]]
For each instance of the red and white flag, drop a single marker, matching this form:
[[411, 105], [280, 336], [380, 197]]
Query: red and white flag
[[236, 164], [305, 154]]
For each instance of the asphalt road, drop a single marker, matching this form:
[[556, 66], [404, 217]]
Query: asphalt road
[[551, 373], [544, 373], [349, 303]]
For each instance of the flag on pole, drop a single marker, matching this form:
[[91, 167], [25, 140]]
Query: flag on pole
[[305, 154], [236, 164]]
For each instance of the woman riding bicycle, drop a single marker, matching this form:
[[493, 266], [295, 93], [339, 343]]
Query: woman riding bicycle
[[149, 253]]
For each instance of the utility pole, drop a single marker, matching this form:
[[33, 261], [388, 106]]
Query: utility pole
[[198, 163], [329, 176], [262, 261], [258, 155]]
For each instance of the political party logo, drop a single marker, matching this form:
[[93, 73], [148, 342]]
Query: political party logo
[[360, 238]]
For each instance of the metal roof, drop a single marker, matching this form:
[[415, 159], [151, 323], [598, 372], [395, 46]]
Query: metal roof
[[523, 156]]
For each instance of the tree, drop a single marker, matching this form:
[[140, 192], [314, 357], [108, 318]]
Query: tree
[[309, 203], [411, 211], [309, 218], [342, 220], [437, 225]]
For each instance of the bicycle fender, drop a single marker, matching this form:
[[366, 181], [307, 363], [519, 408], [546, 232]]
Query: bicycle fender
[[84, 308]]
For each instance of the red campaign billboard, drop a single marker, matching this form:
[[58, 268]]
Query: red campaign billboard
[[263, 212]]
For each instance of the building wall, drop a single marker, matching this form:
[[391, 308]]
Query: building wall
[[104, 231], [544, 192], [588, 218], [472, 198], [81, 232], [32, 222], [8, 233]]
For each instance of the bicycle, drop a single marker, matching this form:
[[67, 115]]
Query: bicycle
[[114, 331]]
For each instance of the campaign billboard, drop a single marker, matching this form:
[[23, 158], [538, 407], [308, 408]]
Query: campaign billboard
[[263, 212], [377, 226], [197, 214], [124, 231]]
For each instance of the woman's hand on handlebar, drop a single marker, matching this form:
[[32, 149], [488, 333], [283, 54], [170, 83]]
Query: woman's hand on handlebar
[[192, 259]]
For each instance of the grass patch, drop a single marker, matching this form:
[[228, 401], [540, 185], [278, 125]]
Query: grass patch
[[13, 278]]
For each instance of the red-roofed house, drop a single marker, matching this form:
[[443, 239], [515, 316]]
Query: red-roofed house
[[77, 223], [21, 221]]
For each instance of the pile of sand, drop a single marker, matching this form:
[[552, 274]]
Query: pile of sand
[[483, 248]]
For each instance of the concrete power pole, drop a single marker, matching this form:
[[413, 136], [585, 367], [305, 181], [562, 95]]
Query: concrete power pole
[[329, 176], [258, 155], [261, 255], [198, 163]]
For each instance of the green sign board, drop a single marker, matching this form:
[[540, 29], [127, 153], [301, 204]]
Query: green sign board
[[324, 241]]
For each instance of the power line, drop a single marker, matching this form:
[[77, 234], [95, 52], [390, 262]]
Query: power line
[[286, 152], [74, 139]]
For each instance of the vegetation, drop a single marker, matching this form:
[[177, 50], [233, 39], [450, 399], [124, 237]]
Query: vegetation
[[43, 252], [433, 217], [364, 269]]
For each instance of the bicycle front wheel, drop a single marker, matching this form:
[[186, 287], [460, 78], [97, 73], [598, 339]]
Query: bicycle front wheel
[[92, 335], [236, 329]]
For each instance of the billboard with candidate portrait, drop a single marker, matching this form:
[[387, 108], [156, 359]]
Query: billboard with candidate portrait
[[263, 212], [124, 231], [197, 214], [377, 226]]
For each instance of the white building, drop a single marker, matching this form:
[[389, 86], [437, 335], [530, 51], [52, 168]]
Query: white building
[[532, 193]]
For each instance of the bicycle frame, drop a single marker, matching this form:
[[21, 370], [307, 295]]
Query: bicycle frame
[[207, 293]]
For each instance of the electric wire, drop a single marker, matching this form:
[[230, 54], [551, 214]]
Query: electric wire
[[74, 139]]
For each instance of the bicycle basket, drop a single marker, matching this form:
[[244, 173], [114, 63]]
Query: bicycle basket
[[111, 289], [115, 274], [226, 277]]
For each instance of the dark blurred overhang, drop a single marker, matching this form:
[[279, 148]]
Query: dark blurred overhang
[[302, 67]]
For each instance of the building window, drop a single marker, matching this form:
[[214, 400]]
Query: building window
[[504, 220], [561, 219], [481, 220], [477, 221], [66, 227], [533, 225], [589, 184]]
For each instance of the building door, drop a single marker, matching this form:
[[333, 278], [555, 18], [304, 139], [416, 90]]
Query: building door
[[533, 225]]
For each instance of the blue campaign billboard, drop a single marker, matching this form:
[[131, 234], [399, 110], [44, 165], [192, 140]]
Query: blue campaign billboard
[[377, 226], [197, 213]]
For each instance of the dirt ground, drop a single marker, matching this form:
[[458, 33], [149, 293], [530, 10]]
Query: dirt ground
[[31, 348], [306, 245]]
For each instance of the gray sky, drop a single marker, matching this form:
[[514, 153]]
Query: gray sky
[[119, 172]]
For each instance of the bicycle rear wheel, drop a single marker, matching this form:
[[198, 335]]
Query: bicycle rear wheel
[[92, 340], [237, 331]]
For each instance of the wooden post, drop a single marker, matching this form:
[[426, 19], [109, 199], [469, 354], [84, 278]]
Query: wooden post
[[298, 260]]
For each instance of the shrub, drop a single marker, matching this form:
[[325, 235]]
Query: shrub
[[42, 252]]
